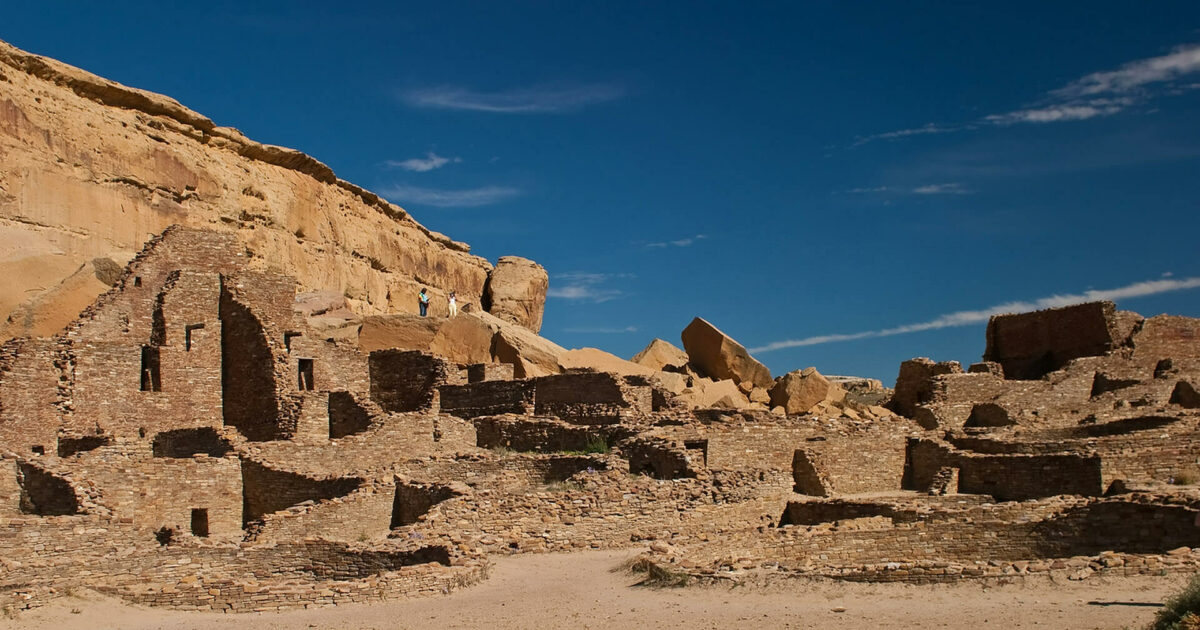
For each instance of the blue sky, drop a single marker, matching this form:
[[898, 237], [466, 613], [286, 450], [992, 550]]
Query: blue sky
[[788, 171]]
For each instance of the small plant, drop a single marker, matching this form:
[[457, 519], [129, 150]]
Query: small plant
[[596, 445], [502, 451], [660, 577], [363, 537], [1182, 611], [1182, 479], [564, 486]]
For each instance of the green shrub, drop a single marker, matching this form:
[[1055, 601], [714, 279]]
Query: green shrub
[[596, 445], [1182, 611]]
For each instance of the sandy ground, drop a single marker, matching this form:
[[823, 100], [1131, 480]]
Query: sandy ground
[[579, 591]]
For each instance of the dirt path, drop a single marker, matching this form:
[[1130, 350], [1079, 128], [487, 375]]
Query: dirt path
[[578, 591]]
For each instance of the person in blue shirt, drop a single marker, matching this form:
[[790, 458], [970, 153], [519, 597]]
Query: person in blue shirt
[[423, 302]]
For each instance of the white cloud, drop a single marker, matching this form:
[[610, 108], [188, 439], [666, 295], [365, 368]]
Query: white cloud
[[682, 242], [1095, 95], [532, 100], [965, 318], [440, 198], [1181, 61], [431, 161], [602, 330], [951, 188], [586, 287]]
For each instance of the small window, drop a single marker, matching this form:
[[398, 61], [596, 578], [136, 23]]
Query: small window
[[137, 281], [188, 337], [151, 378], [305, 375], [200, 522], [39, 450], [287, 340]]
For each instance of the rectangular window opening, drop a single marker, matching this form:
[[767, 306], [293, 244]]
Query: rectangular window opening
[[698, 445], [39, 450], [200, 522], [305, 369], [137, 281], [287, 340], [151, 378], [188, 339]]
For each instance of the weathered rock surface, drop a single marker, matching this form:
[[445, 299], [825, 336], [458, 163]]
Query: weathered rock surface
[[516, 291], [600, 361], [91, 169], [659, 354], [529, 354], [720, 357], [708, 393], [802, 390], [402, 330], [464, 339]]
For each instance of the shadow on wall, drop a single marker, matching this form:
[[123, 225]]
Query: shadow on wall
[[248, 400], [44, 493]]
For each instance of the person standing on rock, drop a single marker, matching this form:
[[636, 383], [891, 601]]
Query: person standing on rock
[[423, 302], [453, 304]]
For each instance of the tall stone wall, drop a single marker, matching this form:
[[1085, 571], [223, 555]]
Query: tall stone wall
[[1030, 345]]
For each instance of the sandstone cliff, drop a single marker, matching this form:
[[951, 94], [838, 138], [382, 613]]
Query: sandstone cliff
[[91, 169]]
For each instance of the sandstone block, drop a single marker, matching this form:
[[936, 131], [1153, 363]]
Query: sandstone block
[[720, 357], [600, 361], [659, 354], [802, 390], [516, 291]]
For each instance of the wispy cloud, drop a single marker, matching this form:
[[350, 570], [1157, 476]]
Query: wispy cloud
[[1095, 95], [951, 188], [682, 242], [966, 318], [441, 198], [531, 100], [601, 330], [586, 287], [431, 161]]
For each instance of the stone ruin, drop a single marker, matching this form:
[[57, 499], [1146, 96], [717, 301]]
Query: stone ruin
[[192, 441]]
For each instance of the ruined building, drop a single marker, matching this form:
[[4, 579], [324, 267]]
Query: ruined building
[[189, 441], [211, 433]]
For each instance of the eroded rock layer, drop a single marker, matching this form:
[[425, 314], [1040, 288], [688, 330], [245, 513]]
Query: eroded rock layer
[[91, 169]]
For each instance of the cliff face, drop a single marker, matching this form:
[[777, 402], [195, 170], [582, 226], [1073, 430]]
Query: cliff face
[[91, 169]]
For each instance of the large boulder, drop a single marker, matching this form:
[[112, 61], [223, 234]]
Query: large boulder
[[516, 291], [705, 393], [465, 339], [659, 354], [600, 361], [402, 331], [800, 391], [720, 357], [529, 354]]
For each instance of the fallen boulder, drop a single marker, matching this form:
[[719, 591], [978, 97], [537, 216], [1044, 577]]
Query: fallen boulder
[[659, 354], [529, 354], [720, 357], [600, 361], [802, 390]]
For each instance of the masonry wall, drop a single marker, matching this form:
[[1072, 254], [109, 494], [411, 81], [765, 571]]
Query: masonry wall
[[1030, 345], [157, 492], [408, 380], [29, 394], [488, 398], [590, 398], [1007, 477], [268, 490]]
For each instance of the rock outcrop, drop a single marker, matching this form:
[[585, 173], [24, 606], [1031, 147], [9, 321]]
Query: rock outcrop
[[91, 169], [516, 292], [720, 357], [661, 355]]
